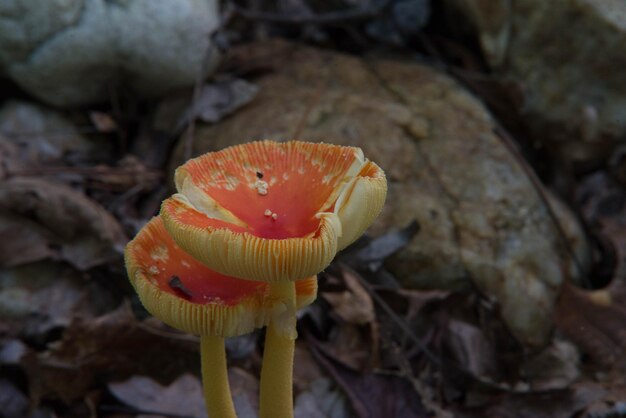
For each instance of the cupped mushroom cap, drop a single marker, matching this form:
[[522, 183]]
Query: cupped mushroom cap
[[273, 211], [187, 295]]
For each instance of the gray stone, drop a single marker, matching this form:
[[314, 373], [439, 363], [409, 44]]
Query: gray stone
[[74, 52], [482, 222]]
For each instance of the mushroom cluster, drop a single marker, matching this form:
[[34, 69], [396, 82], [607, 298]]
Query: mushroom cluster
[[240, 244]]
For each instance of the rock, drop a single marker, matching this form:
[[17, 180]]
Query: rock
[[482, 222], [73, 52], [568, 57]]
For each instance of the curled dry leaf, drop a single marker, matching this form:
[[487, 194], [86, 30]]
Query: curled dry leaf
[[40, 220], [115, 344], [353, 305], [355, 340]]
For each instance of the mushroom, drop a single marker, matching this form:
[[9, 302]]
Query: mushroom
[[187, 295], [276, 213]]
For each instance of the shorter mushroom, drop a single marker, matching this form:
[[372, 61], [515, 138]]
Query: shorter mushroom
[[185, 294]]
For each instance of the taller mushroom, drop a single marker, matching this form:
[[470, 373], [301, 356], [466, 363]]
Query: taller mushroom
[[277, 213]]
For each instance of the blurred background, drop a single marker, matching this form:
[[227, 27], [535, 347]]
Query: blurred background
[[493, 283]]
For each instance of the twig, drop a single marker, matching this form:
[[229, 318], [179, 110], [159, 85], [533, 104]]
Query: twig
[[329, 18]]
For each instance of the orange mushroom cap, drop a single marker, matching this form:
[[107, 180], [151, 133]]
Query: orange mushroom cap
[[271, 211], [187, 295]]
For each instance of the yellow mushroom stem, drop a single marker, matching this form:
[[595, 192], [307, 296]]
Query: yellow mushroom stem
[[219, 402], [276, 397]]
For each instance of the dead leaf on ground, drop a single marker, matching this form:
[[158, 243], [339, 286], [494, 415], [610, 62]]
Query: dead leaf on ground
[[557, 366], [41, 135], [353, 305], [13, 402], [371, 395], [39, 298], [596, 322], [322, 400], [470, 348], [103, 122], [371, 255], [182, 397], [218, 100], [564, 403], [115, 345], [603, 202], [354, 340], [40, 219]]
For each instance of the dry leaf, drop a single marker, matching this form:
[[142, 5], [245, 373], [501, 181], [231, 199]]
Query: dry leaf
[[596, 322], [103, 122], [372, 395], [182, 397], [353, 305], [115, 344], [565, 403], [219, 100], [40, 219], [13, 403]]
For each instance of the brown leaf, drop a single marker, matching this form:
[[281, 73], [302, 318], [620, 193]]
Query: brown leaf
[[372, 395], [353, 305], [354, 341], [555, 367], [40, 297], [219, 100], [103, 122], [596, 321], [117, 345], [306, 370], [41, 219], [564, 403], [470, 348], [181, 397]]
